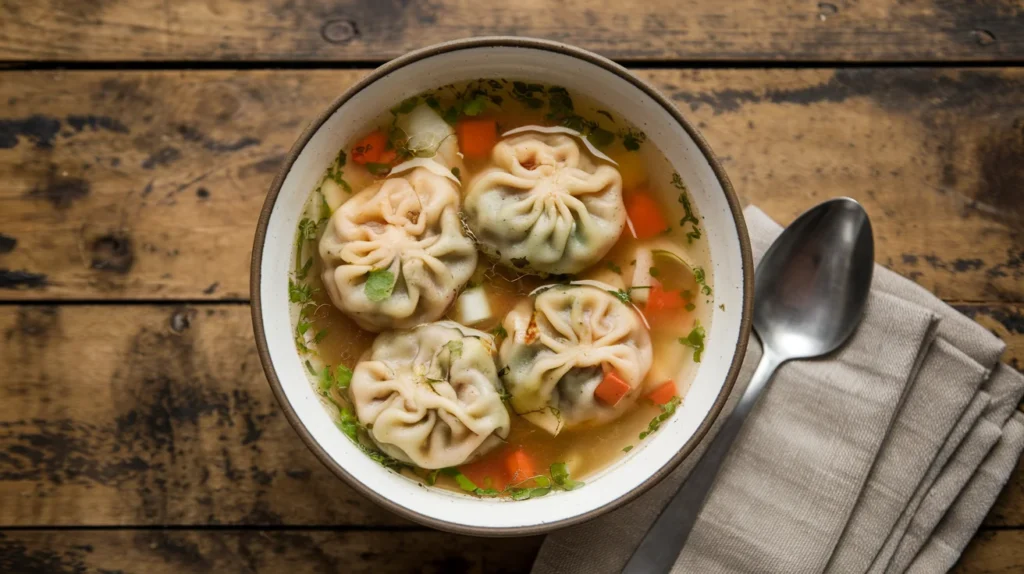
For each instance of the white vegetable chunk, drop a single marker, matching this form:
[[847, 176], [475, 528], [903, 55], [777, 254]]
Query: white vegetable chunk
[[473, 306], [642, 274]]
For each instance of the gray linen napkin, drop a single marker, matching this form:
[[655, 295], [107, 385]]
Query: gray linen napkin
[[843, 427]]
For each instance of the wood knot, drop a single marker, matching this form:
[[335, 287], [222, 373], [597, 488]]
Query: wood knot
[[180, 320], [113, 252], [339, 31], [825, 10]]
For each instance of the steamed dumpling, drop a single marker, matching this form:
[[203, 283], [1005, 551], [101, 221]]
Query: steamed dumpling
[[408, 225], [559, 344], [547, 206], [430, 396]]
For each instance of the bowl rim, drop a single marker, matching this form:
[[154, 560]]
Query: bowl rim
[[255, 279]]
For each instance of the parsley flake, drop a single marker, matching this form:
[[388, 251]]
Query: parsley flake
[[695, 340], [667, 410], [379, 285]]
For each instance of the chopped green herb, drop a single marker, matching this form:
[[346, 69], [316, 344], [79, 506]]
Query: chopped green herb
[[690, 307], [528, 493], [432, 476], [560, 474], [667, 410], [406, 106], [378, 169], [626, 296], [607, 115], [688, 215], [299, 292], [695, 340], [695, 234], [722, 306], [613, 267], [601, 137], [475, 106], [343, 377], [655, 272], [379, 285], [466, 484], [320, 335], [309, 368], [627, 448], [454, 349], [701, 278], [348, 424], [499, 331], [631, 139]]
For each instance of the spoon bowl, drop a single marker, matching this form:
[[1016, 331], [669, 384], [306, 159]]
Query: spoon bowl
[[811, 287]]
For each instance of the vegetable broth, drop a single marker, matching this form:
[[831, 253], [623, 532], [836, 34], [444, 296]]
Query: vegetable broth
[[326, 336]]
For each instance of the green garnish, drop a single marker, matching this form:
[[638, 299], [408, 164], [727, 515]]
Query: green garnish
[[690, 307], [688, 216], [342, 377], [607, 115], [631, 139], [655, 272], [560, 474], [613, 267], [601, 137], [667, 410], [542, 486], [299, 292], [407, 105], [378, 169], [466, 484], [626, 296], [627, 448], [309, 368], [701, 278], [499, 331], [350, 425], [320, 335], [379, 285], [454, 349], [695, 340], [432, 476], [475, 106], [335, 174]]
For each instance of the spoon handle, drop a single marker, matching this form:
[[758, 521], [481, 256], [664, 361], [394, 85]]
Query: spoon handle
[[660, 548]]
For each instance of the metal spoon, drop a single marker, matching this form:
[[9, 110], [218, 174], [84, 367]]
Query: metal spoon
[[809, 295]]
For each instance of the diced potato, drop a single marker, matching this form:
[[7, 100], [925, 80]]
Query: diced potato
[[333, 194], [473, 306]]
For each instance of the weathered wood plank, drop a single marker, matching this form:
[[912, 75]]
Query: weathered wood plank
[[99, 171], [153, 415], [218, 551], [993, 552], [372, 552], [327, 30]]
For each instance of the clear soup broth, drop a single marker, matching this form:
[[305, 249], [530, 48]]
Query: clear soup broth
[[658, 265]]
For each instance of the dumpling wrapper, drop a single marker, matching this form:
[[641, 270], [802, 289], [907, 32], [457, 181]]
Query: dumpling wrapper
[[547, 205], [431, 395], [560, 341], [408, 224]]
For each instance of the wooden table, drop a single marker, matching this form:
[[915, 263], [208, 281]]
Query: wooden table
[[137, 141]]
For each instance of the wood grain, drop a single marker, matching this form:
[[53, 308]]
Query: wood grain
[[100, 171], [376, 552], [160, 414], [998, 552], [273, 551], [360, 30]]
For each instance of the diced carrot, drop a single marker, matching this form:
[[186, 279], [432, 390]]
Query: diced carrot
[[519, 466], [491, 471], [612, 389], [645, 214], [664, 393], [477, 137], [658, 299], [370, 148]]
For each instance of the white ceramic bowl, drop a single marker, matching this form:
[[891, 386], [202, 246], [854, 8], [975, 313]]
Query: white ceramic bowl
[[614, 88]]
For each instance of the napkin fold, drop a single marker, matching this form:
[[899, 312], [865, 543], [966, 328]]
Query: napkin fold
[[884, 456]]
